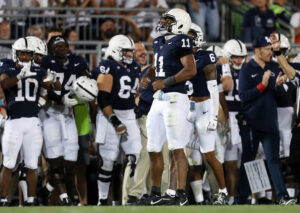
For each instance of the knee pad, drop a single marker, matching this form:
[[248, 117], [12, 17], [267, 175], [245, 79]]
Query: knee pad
[[105, 170], [22, 173], [132, 160]]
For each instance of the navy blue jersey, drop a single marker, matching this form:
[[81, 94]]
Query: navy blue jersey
[[125, 82], [67, 72], [167, 56], [22, 99], [286, 95], [260, 108], [232, 98], [197, 86]]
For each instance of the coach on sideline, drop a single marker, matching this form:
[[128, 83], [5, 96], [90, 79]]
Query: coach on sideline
[[257, 91]]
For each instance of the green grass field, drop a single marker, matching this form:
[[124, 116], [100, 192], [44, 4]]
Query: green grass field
[[156, 209]]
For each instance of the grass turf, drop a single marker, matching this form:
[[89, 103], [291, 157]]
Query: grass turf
[[156, 209]]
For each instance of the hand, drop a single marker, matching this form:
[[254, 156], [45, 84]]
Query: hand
[[25, 72], [128, 19], [212, 124], [159, 84], [42, 102], [68, 100], [51, 76], [275, 42], [223, 60], [144, 82], [266, 77], [121, 129], [280, 79]]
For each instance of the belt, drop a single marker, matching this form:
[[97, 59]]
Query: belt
[[199, 99]]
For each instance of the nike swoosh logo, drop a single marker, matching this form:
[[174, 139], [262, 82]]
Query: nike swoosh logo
[[156, 202], [182, 204], [204, 112], [75, 65], [254, 75]]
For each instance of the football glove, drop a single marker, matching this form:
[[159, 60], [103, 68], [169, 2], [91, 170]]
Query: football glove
[[212, 124], [68, 100], [51, 76], [25, 72]]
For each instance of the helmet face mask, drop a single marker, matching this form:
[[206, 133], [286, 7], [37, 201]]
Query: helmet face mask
[[19, 49], [40, 48], [197, 35], [175, 21], [120, 48], [235, 48]]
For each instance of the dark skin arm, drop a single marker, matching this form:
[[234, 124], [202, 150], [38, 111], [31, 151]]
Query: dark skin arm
[[7, 82], [210, 72]]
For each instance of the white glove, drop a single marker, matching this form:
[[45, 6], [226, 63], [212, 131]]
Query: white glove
[[51, 76], [42, 102], [25, 72], [2, 120], [212, 124], [68, 100]]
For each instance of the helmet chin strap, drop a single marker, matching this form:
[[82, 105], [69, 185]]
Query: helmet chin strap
[[23, 64]]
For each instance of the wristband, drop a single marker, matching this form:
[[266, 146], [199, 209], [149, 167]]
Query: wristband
[[226, 70], [261, 87], [169, 81], [277, 53], [114, 120]]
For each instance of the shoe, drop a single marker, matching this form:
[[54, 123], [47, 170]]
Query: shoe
[[43, 196], [287, 201], [264, 201], [132, 200], [102, 202], [143, 201], [177, 200], [4, 202], [152, 200], [221, 199], [66, 202], [168, 199]]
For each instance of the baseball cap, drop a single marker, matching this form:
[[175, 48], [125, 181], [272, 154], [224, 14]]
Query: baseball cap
[[261, 41]]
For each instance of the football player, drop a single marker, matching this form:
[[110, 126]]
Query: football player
[[118, 80], [236, 52], [167, 118], [59, 128], [21, 83], [204, 107]]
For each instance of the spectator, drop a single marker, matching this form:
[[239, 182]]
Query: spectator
[[5, 34], [295, 22], [71, 35], [280, 12], [258, 21], [206, 12], [35, 30], [257, 87], [53, 32]]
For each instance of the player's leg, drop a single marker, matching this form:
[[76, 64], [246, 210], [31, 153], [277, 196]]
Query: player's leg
[[156, 139], [11, 144]]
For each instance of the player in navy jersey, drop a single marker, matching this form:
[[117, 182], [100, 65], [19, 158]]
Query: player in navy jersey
[[59, 128], [236, 52], [174, 63], [118, 80], [21, 82], [204, 107]]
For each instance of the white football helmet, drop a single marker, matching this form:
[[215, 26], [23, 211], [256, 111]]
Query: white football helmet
[[22, 45], [85, 88], [217, 50], [284, 43], [198, 37], [116, 45], [181, 22], [235, 47], [40, 47]]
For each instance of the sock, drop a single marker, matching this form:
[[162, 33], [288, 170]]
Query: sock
[[197, 190], [269, 195], [49, 187], [103, 188], [171, 192], [3, 199], [223, 191], [291, 192], [63, 195], [30, 199], [23, 186], [231, 200], [205, 185]]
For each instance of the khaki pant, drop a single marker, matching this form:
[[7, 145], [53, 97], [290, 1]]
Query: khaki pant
[[141, 182]]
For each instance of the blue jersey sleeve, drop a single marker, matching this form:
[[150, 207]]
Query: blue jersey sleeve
[[183, 44]]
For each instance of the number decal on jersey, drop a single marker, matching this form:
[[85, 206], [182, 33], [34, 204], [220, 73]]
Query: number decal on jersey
[[30, 95], [69, 83], [159, 71], [189, 87], [104, 70], [185, 43], [230, 96], [212, 57], [126, 89]]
